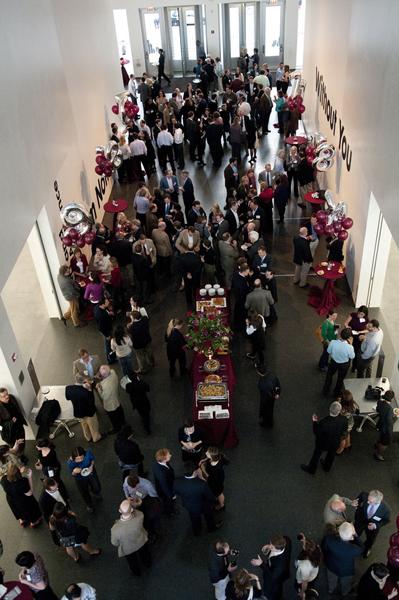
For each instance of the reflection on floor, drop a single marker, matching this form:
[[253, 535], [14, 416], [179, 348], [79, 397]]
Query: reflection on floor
[[266, 492]]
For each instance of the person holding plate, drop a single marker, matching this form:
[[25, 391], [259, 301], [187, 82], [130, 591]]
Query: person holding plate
[[190, 440], [82, 468]]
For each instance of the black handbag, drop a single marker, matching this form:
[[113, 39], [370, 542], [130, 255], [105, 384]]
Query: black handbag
[[372, 393]]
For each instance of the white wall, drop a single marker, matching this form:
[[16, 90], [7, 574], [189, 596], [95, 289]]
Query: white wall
[[355, 47], [59, 73]]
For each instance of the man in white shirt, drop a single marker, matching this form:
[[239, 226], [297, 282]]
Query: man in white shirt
[[131, 88], [165, 149], [178, 137], [79, 591], [369, 349], [138, 151]]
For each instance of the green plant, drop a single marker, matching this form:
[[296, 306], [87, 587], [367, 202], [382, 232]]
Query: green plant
[[206, 332]]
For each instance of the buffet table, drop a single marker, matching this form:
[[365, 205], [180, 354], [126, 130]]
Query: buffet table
[[220, 430]]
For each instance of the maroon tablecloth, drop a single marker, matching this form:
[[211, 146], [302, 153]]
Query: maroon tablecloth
[[315, 197], [325, 299], [25, 594], [296, 140], [218, 432], [115, 206]]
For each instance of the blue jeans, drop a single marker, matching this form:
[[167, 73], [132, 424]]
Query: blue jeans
[[126, 365]]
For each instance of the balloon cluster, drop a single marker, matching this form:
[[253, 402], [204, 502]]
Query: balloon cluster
[[296, 103], [108, 158], [333, 221], [125, 106], [77, 226], [393, 550], [319, 153]]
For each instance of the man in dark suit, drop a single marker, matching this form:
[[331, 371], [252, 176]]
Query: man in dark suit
[[214, 133], [328, 432], [188, 192], [251, 89], [161, 67], [50, 495], [233, 218], [240, 289], [262, 216], [261, 263], [275, 565], [371, 514], [141, 269], [231, 178], [339, 553], [164, 477], [197, 499], [302, 258], [269, 391], [189, 265], [195, 212], [169, 184]]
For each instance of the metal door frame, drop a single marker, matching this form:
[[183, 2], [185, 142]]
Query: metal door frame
[[272, 61]]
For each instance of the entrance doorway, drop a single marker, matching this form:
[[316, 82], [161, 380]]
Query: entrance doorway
[[176, 30], [252, 25]]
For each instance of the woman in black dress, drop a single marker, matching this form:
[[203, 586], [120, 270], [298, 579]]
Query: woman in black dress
[[20, 496], [190, 440], [212, 468], [70, 533], [175, 343], [49, 464]]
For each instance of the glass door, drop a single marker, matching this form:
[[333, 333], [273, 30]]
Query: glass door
[[152, 37], [184, 29], [241, 31], [271, 33]]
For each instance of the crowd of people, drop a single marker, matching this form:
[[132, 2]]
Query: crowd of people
[[172, 242]]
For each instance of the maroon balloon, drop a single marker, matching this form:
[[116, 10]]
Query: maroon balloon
[[343, 235], [89, 237], [108, 172], [347, 223], [321, 215], [73, 234], [329, 229], [115, 109], [393, 556], [100, 158], [67, 240], [394, 539], [337, 226], [301, 108], [299, 99], [319, 228], [80, 242], [99, 169]]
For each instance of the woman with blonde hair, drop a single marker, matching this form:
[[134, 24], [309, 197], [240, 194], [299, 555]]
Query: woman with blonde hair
[[175, 344], [124, 169]]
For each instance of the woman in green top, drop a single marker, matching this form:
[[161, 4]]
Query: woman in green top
[[282, 111], [328, 333]]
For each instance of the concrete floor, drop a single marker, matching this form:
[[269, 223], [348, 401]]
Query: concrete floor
[[266, 492]]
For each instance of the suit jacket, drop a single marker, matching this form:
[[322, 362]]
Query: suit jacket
[[380, 518], [152, 252], [164, 478], [192, 216], [252, 251], [269, 386], [195, 494], [260, 267], [188, 192], [276, 570], [228, 259], [220, 229], [329, 431], [231, 179], [47, 503], [260, 301], [82, 400], [231, 219], [191, 263], [162, 242], [182, 241], [340, 556], [214, 134], [79, 368], [302, 253], [164, 185]]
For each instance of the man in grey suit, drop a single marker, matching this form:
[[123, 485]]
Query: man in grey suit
[[229, 253], [259, 300]]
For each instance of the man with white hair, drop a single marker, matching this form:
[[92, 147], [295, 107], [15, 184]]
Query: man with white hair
[[108, 390], [256, 242], [130, 537], [339, 553], [371, 514], [328, 433], [334, 511], [302, 258]]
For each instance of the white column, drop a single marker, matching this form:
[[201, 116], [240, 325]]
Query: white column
[[212, 27], [43, 273], [290, 32], [49, 239]]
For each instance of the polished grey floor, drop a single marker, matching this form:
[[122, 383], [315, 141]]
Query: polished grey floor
[[266, 492]]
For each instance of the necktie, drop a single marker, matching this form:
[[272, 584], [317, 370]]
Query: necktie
[[370, 510]]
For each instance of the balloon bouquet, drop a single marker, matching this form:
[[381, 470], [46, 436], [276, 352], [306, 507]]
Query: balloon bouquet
[[108, 158], [296, 102], [125, 107], [77, 226], [319, 153], [333, 221]]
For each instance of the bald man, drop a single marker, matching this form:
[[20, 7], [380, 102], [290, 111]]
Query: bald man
[[130, 537], [334, 510], [302, 258]]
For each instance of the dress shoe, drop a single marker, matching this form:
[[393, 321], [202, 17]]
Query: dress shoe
[[304, 286], [379, 457], [306, 469], [323, 465]]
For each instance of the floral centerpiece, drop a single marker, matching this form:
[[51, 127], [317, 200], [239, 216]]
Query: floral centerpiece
[[206, 332]]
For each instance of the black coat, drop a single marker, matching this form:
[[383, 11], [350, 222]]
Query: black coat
[[141, 267], [329, 431], [47, 503], [137, 390], [231, 179], [190, 262], [230, 218], [335, 250], [369, 588], [302, 253], [103, 320], [269, 386], [128, 451], [276, 570], [385, 424], [175, 344], [164, 478], [12, 430], [140, 333], [122, 250], [188, 192], [195, 494], [82, 400]]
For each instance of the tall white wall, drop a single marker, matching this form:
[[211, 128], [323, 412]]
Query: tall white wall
[[59, 73]]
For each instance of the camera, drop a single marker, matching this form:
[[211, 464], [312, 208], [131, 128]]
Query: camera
[[233, 557]]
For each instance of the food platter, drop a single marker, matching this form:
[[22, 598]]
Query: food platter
[[212, 378], [211, 365], [214, 391], [219, 302], [201, 304]]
